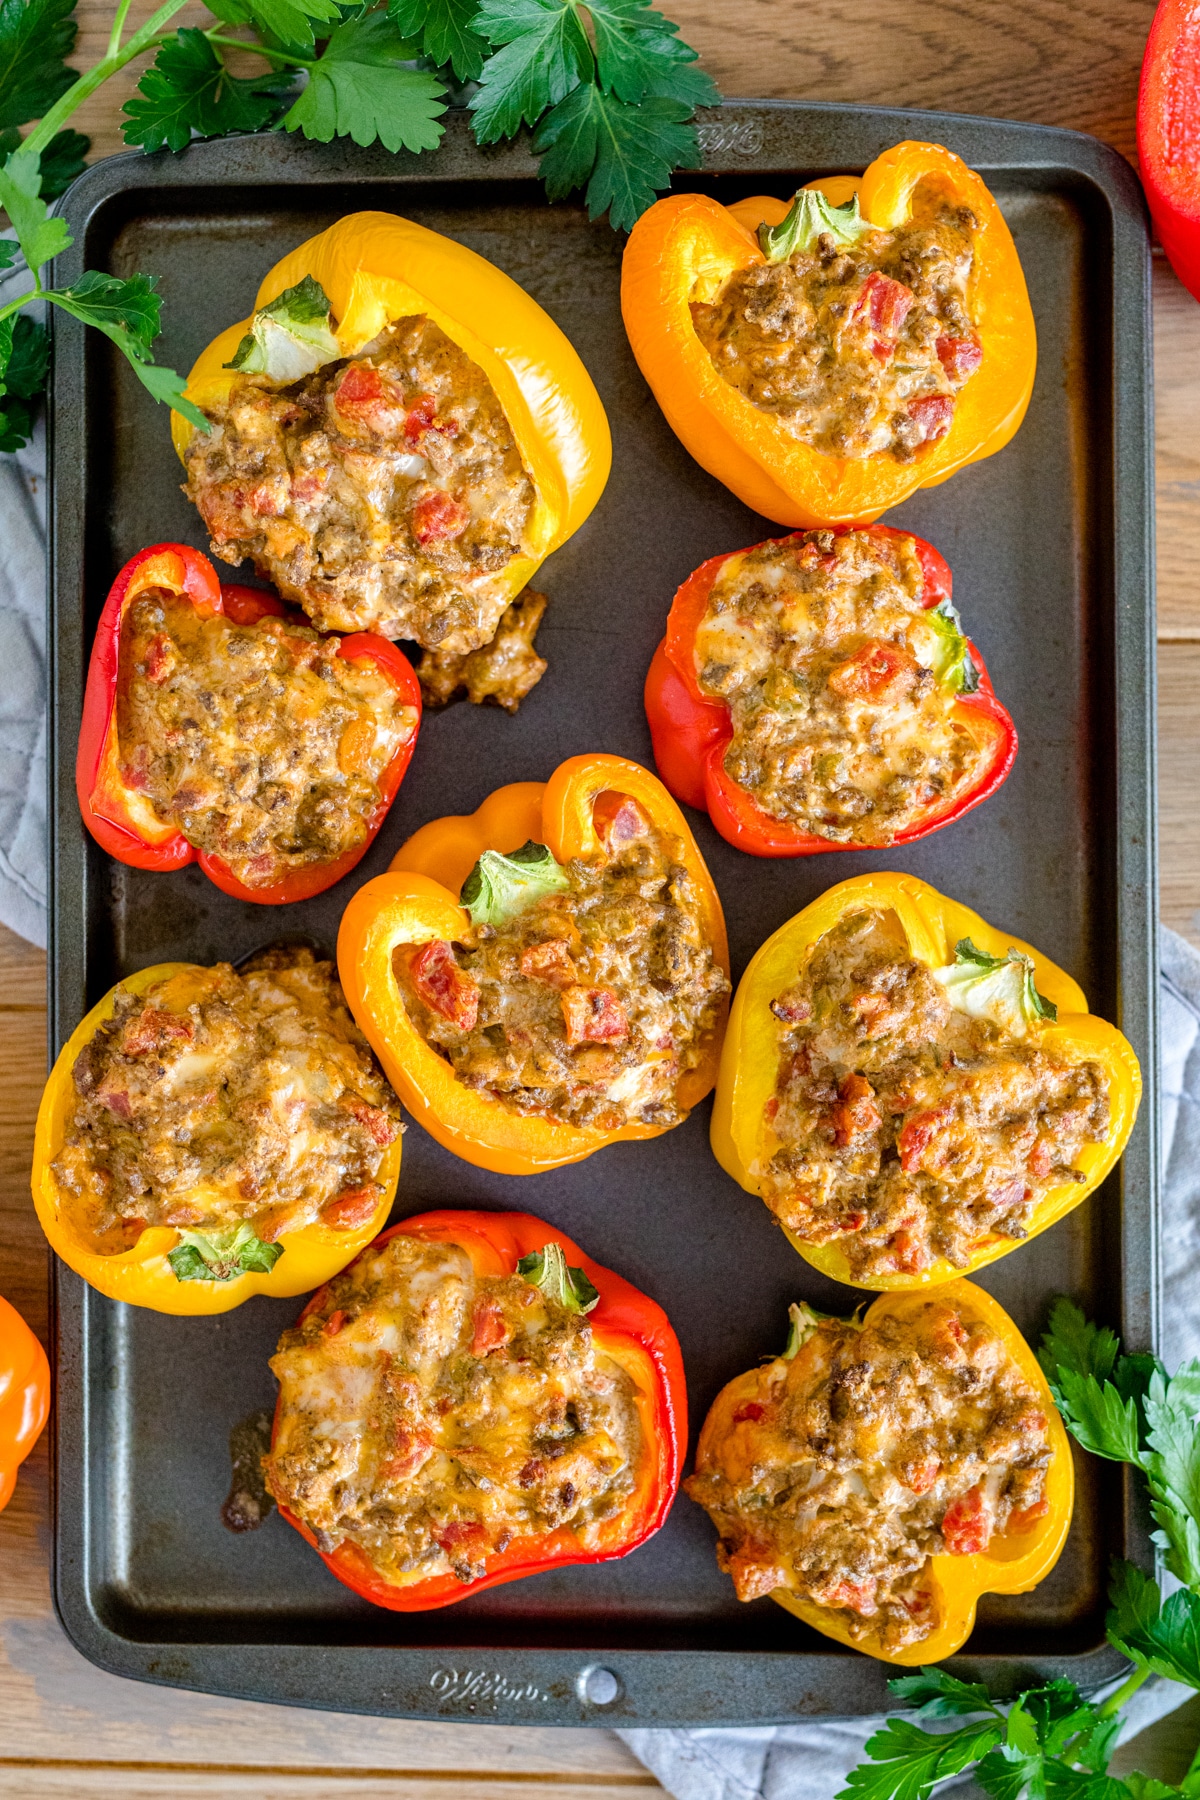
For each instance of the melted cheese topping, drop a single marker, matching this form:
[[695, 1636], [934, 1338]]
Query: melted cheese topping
[[824, 653], [430, 1416]]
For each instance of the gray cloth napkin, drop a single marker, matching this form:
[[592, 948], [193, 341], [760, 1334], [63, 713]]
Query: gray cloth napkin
[[785, 1762]]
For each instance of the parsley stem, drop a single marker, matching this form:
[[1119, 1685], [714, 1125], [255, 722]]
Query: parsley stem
[[1125, 1692], [230, 43], [16, 305], [118, 26], [60, 112]]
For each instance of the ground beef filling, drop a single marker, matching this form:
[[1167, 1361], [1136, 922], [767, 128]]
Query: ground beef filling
[[837, 1474], [902, 1129], [260, 743], [590, 1005], [861, 351], [382, 493], [430, 1416], [218, 1098], [822, 651]]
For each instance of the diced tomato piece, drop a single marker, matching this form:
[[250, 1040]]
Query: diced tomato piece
[[488, 1326], [618, 819], [884, 303], [311, 486], [1028, 1516], [909, 1254], [855, 1112], [437, 516], [443, 986], [266, 500], [919, 1134], [959, 356], [933, 413], [967, 1524], [421, 415], [410, 1450], [792, 1011], [160, 659], [875, 671], [550, 962], [333, 1323], [916, 1605], [154, 1030], [754, 1571], [858, 1596], [378, 1125], [852, 1221], [772, 1107], [752, 1410], [116, 1099], [594, 1016], [362, 390], [921, 1476], [1039, 1161], [349, 1211]]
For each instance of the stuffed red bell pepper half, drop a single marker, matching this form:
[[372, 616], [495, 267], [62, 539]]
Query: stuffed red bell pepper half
[[471, 1401], [816, 692], [220, 728]]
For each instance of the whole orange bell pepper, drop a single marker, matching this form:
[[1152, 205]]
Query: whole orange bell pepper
[[375, 268], [628, 1327], [144, 1276], [933, 925], [417, 901], [1013, 1563], [24, 1396], [684, 249]]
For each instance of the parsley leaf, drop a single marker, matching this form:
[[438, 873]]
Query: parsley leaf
[[1172, 1466], [285, 22], [1157, 1635], [128, 313], [39, 236], [359, 89], [24, 356], [545, 55], [1072, 1342], [187, 91], [938, 1695], [9, 252], [35, 38], [16, 425], [907, 1763], [1010, 1773], [625, 154], [63, 162], [638, 53], [1098, 1417], [446, 30]]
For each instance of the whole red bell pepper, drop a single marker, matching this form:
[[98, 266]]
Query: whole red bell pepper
[[630, 1328], [1168, 134], [691, 732], [123, 821]]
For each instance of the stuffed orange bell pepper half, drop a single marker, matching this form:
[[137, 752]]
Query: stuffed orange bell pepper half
[[817, 693], [400, 435], [881, 1520], [912, 1092], [211, 1133], [540, 1419], [548, 975], [826, 356], [219, 728]]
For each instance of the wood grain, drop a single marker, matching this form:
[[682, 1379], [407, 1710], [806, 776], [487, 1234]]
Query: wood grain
[[68, 1729]]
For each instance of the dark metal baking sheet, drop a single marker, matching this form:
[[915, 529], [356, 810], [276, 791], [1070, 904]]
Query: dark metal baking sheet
[[1050, 543]]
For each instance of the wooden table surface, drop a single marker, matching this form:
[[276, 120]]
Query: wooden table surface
[[67, 1729]]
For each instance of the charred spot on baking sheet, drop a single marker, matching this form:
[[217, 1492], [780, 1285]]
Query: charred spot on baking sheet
[[248, 1504]]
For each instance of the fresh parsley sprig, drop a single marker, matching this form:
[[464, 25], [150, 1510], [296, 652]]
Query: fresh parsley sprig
[[1051, 1743]]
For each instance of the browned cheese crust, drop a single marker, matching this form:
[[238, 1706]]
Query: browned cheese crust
[[218, 1098], [860, 351], [589, 1006], [825, 655], [258, 742], [382, 493], [430, 1416], [905, 1130], [837, 1474], [504, 671]]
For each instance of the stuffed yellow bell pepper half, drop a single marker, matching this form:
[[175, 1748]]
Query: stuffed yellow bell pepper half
[[912, 1092]]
